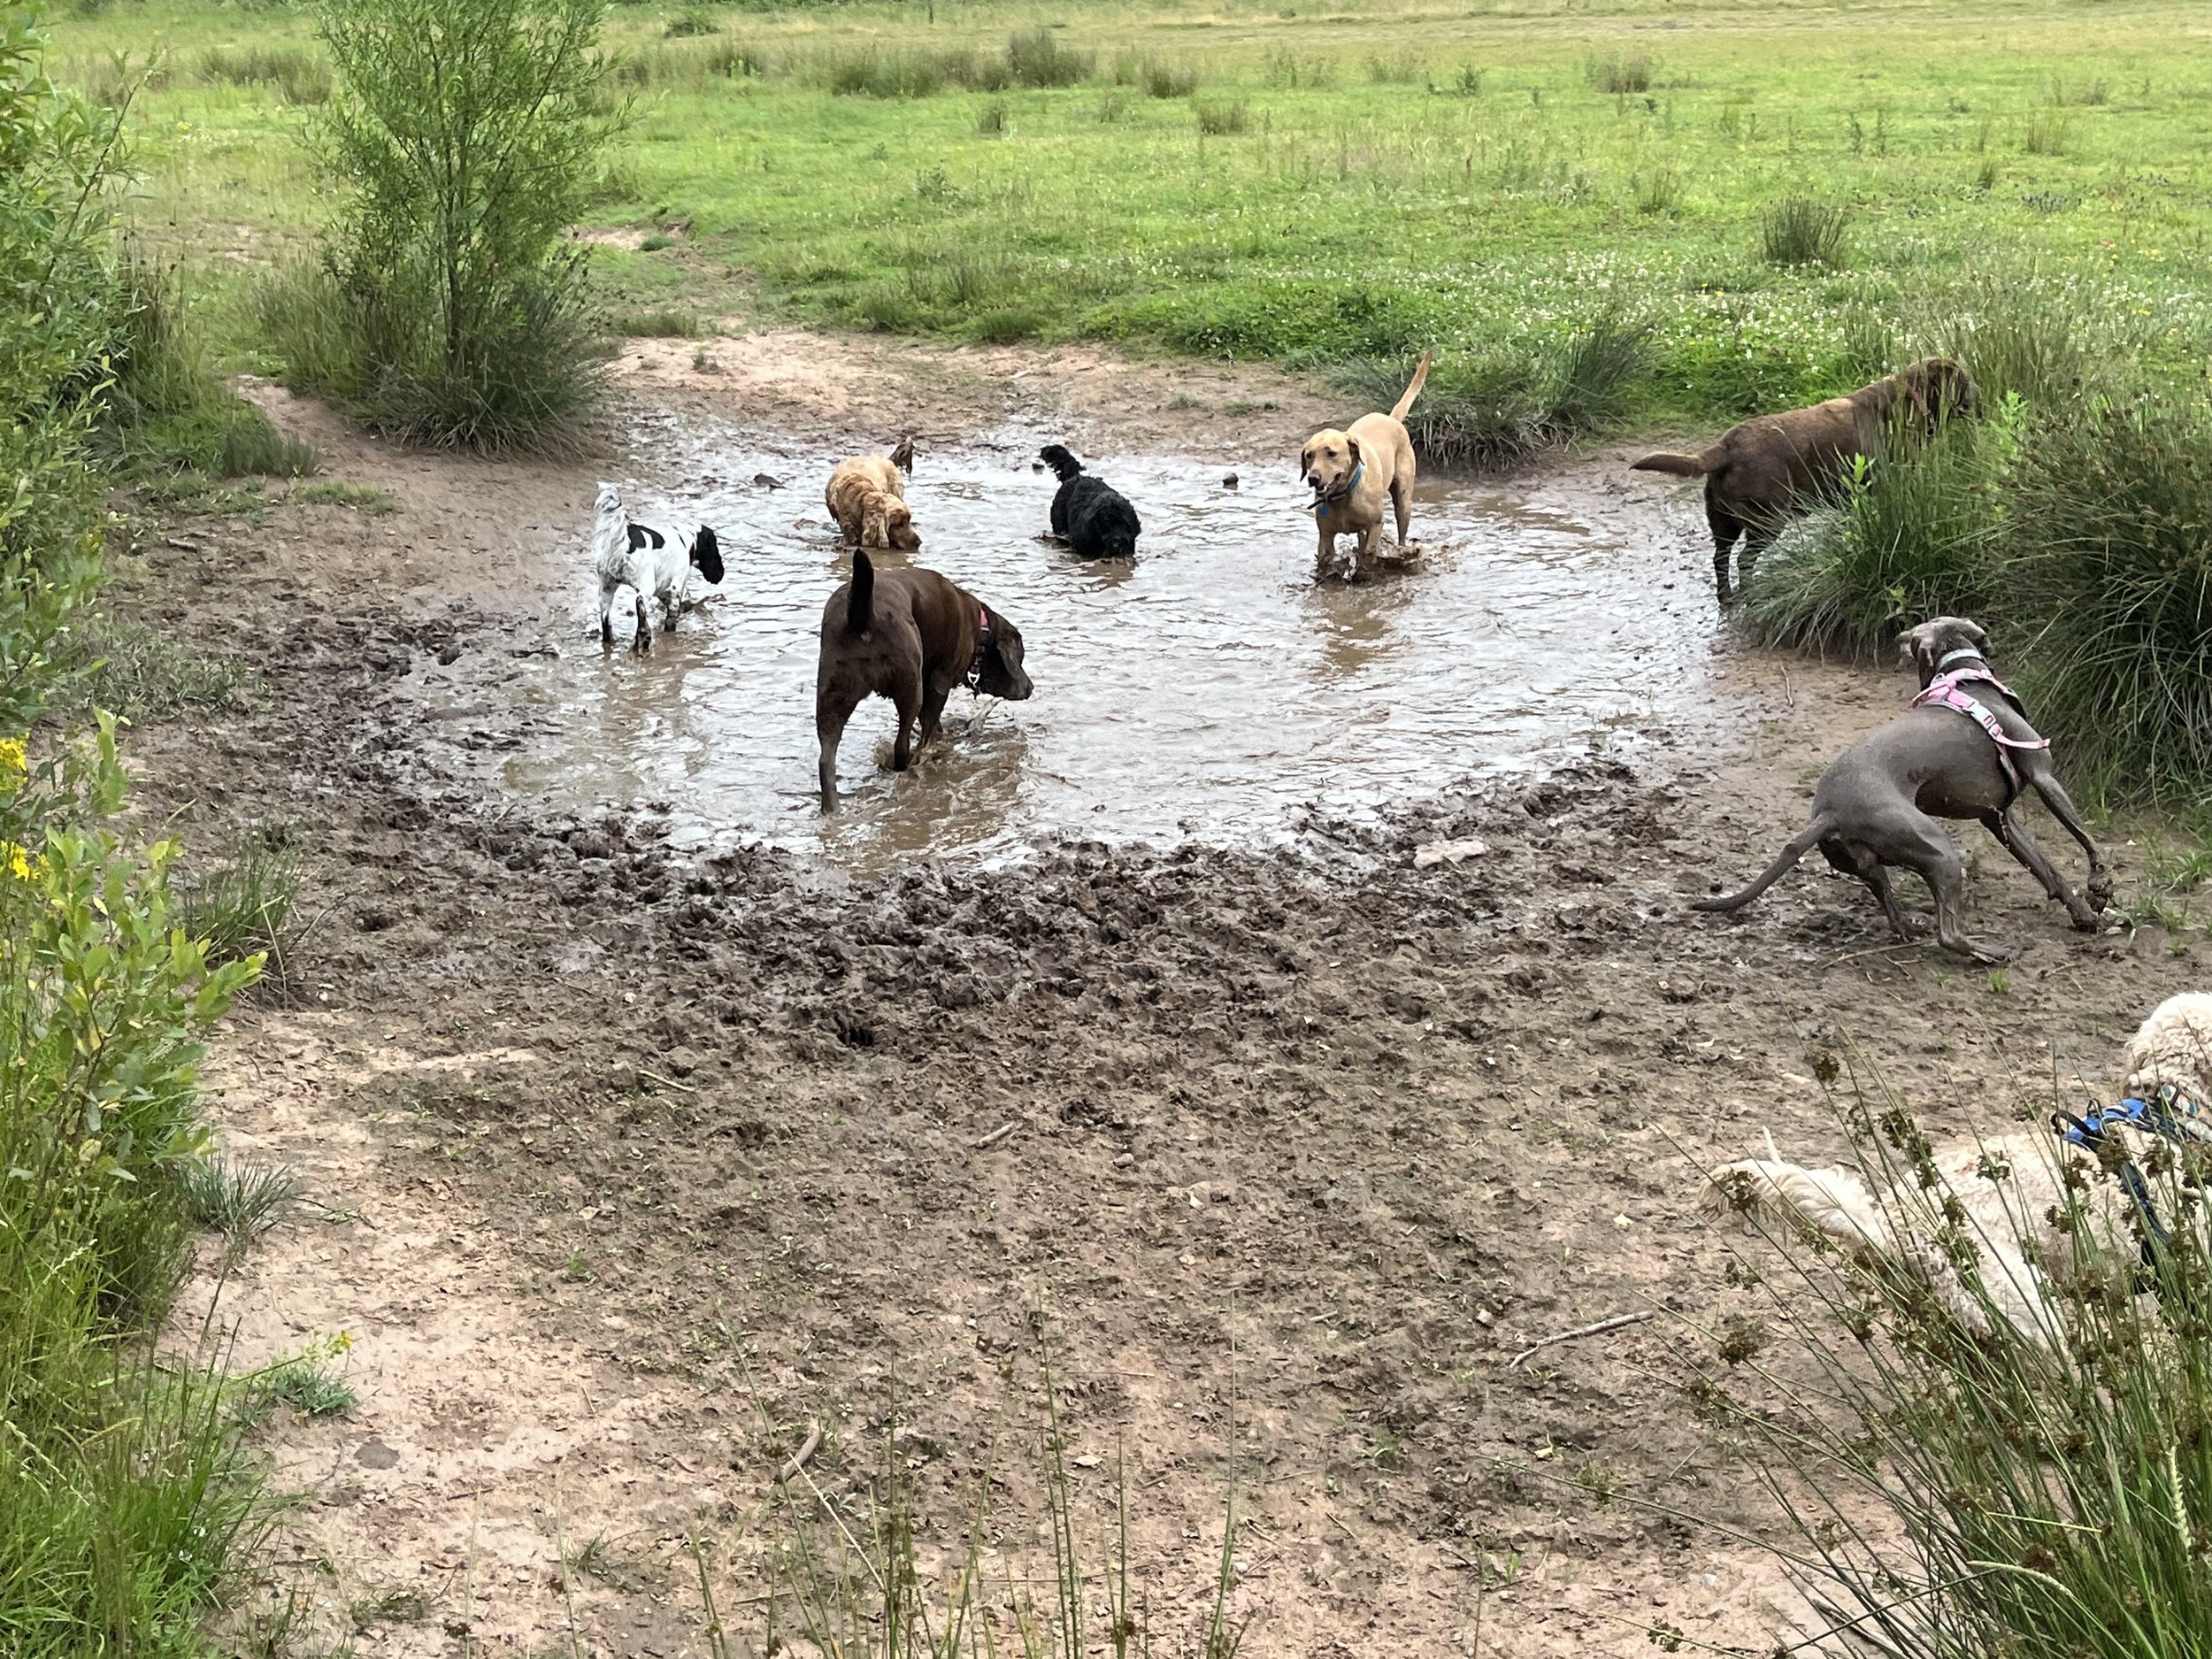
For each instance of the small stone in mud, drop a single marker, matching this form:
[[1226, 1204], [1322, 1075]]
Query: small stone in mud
[[450, 656], [761, 480], [1228, 481], [376, 1455]]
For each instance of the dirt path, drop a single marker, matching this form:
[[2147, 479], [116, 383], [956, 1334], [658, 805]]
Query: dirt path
[[627, 1170]]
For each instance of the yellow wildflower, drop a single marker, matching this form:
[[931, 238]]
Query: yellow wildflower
[[15, 756]]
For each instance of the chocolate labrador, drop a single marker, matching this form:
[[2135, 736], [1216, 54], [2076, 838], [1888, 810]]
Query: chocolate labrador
[[1964, 749], [910, 635], [1770, 466]]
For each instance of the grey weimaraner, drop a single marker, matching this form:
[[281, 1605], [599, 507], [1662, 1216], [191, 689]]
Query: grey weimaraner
[[1877, 803]]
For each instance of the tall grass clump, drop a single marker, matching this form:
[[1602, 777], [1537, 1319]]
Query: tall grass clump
[[2108, 531], [1617, 72], [164, 410], [2019, 336], [448, 307], [1036, 58], [1502, 410], [1912, 534], [243, 910], [1800, 230], [2042, 1491], [1221, 118], [1166, 77], [126, 1506], [299, 72]]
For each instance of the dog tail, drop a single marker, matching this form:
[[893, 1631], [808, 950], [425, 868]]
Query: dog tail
[[1784, 863], [1065, 466], [1699, 466], [1413, 386], [860, 604]]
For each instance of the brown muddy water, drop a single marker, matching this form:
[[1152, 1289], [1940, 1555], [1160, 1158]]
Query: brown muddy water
[[1212, 688]]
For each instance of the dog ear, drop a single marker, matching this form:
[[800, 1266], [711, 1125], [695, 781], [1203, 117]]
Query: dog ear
[[1305, 463], [1909, 654], [1354, 444], [1974, 633]]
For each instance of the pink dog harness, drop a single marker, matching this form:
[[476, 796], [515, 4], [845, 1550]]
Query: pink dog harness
[[1943, 692]]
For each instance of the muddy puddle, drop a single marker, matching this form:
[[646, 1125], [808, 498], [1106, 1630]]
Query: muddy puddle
[[1212, 688]]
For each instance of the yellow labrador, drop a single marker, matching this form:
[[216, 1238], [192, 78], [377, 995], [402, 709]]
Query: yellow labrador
[[1352, 473]]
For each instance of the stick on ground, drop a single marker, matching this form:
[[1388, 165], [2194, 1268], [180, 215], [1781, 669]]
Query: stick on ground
[[1615, 1323]]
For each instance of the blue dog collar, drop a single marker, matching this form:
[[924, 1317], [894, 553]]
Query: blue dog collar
[[1321, 507]]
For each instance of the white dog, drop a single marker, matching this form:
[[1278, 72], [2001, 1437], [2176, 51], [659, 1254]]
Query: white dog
[[649, 563], [2011, 1187]]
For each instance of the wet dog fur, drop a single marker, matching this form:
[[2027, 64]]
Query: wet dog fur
[[1089, 514], [910, 636], [1764, 469], [866, 496], [1353, 472]]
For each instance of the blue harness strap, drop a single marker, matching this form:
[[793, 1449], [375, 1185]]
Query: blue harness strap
[[2155, 1116]]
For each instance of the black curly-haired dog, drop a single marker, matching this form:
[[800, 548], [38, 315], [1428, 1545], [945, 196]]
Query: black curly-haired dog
[[1089, 514]]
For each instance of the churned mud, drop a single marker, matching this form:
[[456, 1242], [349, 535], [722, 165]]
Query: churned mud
[[641, 1155]]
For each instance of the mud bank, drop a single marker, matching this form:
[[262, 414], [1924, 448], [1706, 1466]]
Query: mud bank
[[632, 1162]]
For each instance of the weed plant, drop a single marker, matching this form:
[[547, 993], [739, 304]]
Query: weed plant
[[144, 676], [243, 910], [2042, 1495], [1800, 230]]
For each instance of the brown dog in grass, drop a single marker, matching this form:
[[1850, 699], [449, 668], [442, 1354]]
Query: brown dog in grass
[[912, 636], [1353, 473], [867, 498], [1770, 466]]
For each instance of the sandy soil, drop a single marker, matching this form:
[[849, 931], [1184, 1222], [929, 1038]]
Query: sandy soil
[[629, 1173]]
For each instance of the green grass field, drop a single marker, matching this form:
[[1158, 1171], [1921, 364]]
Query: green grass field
[[1313, 185]]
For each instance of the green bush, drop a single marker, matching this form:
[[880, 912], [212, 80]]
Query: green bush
[[2109, 534], [1911, 537], [126, 1506], [452, 312], [1218, 118], [1616, 72], [1502, 409]]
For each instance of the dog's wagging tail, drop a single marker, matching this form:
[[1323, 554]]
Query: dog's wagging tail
[[1785, 860], [860, 604], [1699, 466], [1413, 386]]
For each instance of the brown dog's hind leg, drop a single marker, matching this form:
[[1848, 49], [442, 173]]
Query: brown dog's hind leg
[[1401, 503], [832, 711], [908, 700], [2013, 836], [1725, 528]]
